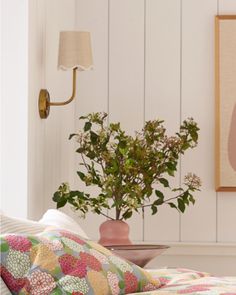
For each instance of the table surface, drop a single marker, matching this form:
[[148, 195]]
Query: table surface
[[137, 247], [139, 254]]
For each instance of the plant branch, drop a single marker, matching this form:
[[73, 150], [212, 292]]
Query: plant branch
[[86, 166], [164, 202], [105, 215]]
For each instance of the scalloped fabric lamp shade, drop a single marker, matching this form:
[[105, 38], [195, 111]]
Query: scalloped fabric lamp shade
[[75, 51]]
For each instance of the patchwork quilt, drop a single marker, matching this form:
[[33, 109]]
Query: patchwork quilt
[[184, 281]]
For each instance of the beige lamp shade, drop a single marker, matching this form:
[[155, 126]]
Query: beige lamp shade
[[75, 51]]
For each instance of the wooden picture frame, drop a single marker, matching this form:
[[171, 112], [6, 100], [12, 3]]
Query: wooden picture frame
[[225, 109]]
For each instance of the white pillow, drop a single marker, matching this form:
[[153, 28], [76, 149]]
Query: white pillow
[[59, 219], [20, 226]]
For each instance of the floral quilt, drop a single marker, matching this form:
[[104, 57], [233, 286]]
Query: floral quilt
[[184, 281]]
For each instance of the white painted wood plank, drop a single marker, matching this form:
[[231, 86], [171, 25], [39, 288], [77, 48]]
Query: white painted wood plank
[[163, 95], [226, 217], [14, 107], [226, 229], [92, 16], [199, 222], [35, 126], [59, 153], [227, 6], [127, 63], [126, 68]]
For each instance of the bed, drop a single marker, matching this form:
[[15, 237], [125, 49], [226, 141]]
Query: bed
[[184, 281], [171, 280]]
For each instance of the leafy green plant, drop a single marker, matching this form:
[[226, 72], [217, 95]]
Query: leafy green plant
[[127, 168]]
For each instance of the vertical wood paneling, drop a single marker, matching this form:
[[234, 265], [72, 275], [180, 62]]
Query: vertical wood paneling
[[36, 141], [126, 77], [226, 223], [92, 16], [127, 63], [59, 154], [226, 209], [227, 6], [93, 85], [199, 222], [162, 100], [133, 91], [14, 107]]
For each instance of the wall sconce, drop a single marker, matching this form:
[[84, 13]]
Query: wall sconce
[[75, 53]]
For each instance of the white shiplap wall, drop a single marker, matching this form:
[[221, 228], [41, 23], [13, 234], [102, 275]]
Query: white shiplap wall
[[158, 61], [13, 106], [153, 58], [162, 64], [198, 102], [51, 157]]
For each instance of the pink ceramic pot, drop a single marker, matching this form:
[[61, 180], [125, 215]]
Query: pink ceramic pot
[[114, 232]]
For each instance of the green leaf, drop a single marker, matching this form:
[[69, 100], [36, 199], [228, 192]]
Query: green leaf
[[185, 146], [80, 150], [4, 247], [194, 135], [179, 189], [56, 196], [87, 126], [72, 135], [91, 155], [76, 194], [127, 214], [171, 166], [171, 172], [186, 201], [172, 205], [191, 199], [83, 117], [159, 194], [158, 202], [164, 182], [122, 144], [93, 137], [181, 205], [61, 203], [81, 175], [154, 209]]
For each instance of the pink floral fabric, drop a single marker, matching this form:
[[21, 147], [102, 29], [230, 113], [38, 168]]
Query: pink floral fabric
[[60, 262], [185, 281]]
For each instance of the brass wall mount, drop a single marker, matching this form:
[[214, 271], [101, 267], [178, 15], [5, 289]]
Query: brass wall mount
[[44, 102]]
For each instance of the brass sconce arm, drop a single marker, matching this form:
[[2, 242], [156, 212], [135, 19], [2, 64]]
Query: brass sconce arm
[[44, 102]]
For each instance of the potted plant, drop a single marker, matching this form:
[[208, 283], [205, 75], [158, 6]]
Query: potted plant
[[127, 170]]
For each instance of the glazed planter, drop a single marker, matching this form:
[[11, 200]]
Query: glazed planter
[[114, 232]]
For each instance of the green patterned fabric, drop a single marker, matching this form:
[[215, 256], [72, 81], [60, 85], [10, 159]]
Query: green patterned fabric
[[60, 262]]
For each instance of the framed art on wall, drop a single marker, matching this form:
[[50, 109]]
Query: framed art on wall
[[225, 121]]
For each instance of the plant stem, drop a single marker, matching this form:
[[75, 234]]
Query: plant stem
[[82, 156], [149, 205], [117, 214], [107, 216]]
